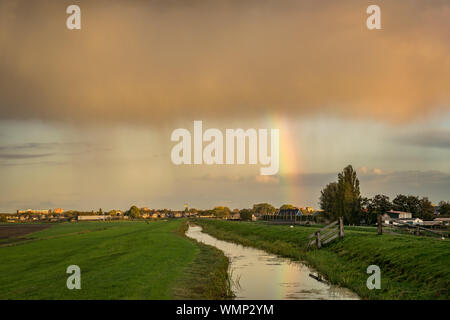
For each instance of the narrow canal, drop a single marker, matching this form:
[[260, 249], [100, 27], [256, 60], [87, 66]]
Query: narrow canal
[[257, 274]]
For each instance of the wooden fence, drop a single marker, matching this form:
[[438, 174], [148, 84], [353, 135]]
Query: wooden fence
[[289, 219], [399, 226], [327, 234]]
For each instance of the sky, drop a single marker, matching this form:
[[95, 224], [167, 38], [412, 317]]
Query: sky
[[86, 115]]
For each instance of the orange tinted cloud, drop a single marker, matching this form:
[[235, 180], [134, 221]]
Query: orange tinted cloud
[[159, 60]]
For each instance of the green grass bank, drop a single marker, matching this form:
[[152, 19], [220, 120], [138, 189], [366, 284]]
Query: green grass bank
[[411, 267], [118, 260]]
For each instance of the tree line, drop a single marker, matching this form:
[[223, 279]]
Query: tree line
[[218, 211], [342, 198]]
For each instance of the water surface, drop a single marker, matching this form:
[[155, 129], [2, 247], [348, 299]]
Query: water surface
[[258, 275]]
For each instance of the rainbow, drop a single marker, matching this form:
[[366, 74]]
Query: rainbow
[[289, 157], [290, 165]]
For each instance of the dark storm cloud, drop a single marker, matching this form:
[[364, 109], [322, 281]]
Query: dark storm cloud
[[429, 139], [27, 146], [12, 156], [153, 61], [433, 184]]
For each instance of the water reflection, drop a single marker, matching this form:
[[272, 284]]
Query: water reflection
[[257, 274]]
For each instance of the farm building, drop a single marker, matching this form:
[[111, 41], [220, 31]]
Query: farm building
[[399, 214], [234, 216], [289, 213], [415, 221], [390, 219]]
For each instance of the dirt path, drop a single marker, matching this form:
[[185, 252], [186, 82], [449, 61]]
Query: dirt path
[[19, 230]]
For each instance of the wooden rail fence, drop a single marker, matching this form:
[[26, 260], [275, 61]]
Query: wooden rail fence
[[327, 234], [402, 226], [288, 219]]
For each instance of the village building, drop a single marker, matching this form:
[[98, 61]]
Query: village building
[[33, 211], [308, 210], [290, 213], [178, 214], [399, 214], [415, 221], [400, 217], [235, 216]]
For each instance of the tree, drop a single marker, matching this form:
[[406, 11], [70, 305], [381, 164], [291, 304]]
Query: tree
[[222, 212], [100, 211], [3, 218], [366, 213], [246, 214], [343, 198], [371, 208], [407, 204], [380, 204], [329, 200], [444, 208], [134, 212], [349, 195], [419, 208], [400, 203], [112, 213], [426, 209], [287, 207], [263, 208]]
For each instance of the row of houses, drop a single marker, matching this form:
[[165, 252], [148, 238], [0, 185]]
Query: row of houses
[[35, 217], [40, 211], [57, 215]]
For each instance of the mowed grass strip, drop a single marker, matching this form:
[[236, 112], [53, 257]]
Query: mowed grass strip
[[411, 267], [206, 277], [118, 260]]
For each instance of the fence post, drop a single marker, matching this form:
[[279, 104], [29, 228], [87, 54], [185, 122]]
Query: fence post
[[380, 225], [341, 227], [318, 242]]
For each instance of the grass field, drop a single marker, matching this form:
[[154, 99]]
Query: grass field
[[118, 260], [411, 267]]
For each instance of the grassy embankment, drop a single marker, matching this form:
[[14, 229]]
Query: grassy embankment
[[411, 267], [118, 260]]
